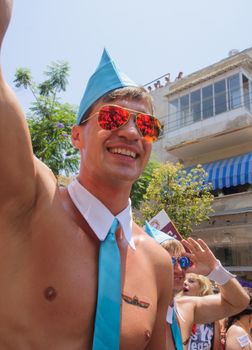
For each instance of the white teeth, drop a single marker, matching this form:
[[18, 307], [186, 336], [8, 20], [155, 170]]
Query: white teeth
[[123, 151]]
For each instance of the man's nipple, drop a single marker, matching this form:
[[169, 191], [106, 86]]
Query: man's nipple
[[50, 293]]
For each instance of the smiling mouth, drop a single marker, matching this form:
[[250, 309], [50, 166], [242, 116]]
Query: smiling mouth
[[123, 151]]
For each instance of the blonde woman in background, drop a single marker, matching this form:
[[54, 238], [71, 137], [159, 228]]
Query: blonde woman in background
[[203, 336]]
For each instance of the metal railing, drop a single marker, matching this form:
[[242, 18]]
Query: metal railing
[[188, 116]]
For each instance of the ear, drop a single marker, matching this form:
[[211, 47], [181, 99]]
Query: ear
[[76, 137]]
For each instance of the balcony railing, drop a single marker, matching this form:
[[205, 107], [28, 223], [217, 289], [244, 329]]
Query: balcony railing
[[195, 113]]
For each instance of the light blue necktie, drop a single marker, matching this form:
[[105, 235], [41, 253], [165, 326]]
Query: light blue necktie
[[108, 308], [176, 333]]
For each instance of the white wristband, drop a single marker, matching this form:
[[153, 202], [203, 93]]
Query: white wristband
[[219, 274]]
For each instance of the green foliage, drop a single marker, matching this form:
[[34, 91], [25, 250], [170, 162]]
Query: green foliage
[[57, 74], [23, 77], [184, 196], [52, 141], [49, 120], [140, 186]]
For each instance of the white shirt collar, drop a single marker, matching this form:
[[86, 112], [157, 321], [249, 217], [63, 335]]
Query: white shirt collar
[[97, 215], [169, 314]]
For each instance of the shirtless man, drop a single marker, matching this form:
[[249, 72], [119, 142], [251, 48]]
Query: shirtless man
[[48, 251], [204, 309]]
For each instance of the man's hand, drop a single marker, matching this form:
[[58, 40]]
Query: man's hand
[[201, 256]]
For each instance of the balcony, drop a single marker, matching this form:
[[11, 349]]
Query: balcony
[[225, 130]]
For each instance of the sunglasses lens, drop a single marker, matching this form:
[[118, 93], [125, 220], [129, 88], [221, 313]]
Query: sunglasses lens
[[112, 117], [149, 127], [184, 262]]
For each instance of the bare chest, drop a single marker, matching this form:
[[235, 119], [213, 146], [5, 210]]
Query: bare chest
[[49, 291]]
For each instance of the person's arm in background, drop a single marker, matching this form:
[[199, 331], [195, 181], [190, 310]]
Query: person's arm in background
[[232, 297], [217, 336]]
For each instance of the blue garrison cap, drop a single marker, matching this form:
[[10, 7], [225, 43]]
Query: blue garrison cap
[[159, 236], [107, 77]]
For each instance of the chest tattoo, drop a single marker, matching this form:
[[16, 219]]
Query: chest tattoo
[[135, 301]]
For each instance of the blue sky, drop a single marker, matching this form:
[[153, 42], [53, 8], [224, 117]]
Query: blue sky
[[146, 38]]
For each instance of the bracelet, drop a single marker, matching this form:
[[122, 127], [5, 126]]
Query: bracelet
[[219, 274]]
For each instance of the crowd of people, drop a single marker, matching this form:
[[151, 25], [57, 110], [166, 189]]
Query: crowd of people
[[232, 333], [76, 271], [196, 319], [167, 80]]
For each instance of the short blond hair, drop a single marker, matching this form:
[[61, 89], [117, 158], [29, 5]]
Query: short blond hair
[[173, 246], [206, 287]]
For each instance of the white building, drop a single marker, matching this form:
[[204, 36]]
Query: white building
[[207, 119]]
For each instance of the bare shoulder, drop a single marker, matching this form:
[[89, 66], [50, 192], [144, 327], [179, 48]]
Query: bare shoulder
[[235, 331], [236, 338]]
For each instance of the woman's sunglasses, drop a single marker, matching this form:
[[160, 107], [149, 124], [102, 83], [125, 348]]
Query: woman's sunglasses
[[183, 261], [113, 117]]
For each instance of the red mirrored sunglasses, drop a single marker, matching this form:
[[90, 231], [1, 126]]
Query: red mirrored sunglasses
[[113, 117]]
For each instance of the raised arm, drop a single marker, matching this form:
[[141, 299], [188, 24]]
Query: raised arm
[[5, 15], [232, 297], [17, 174]]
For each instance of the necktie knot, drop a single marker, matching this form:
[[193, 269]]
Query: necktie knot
[[113, 228]]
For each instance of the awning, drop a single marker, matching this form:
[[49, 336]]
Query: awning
[[230, 172]]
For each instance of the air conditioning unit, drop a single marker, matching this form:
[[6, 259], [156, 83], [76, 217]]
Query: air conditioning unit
[[233, 52]]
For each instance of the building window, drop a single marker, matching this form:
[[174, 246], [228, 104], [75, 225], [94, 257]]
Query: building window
[[174, 120], [220, 101], [245, 91], [184, 109], [250, 95], [207, 101], [231, 251], [210, 100], [224, 254], [234, 92], [195, 103]]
